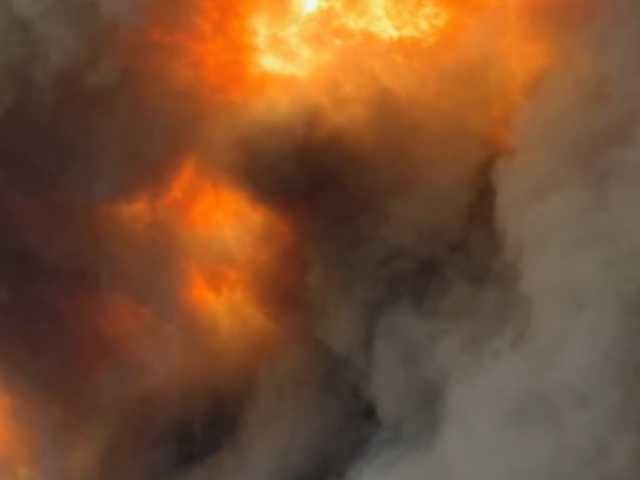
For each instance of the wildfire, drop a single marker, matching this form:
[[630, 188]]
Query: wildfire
[[253, 50], [249, 47], [6, 426], [224, 300], [247, 51], [313, 32], [13, 442], [223, 240], [310, 6]]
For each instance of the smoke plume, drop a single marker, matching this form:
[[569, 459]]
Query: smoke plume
[[386, 259]]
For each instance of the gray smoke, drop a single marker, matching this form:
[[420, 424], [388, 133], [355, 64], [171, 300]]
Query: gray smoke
[[452, 311], [555, 400]]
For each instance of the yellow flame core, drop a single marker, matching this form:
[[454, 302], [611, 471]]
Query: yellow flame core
[[15, 450], [310, 6], [311, 32], [247, 50]]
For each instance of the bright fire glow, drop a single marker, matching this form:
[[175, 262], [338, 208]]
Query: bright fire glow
[[14, 451], [7, 427], [242, 47], [310, 6], [302, 39], [251, 49], [224, 238]]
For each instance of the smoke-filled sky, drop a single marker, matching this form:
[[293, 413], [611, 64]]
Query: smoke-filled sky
[[319, 239]]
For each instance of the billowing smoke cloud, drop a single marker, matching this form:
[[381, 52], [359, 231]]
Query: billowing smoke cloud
[[447, 308], [553, 398]]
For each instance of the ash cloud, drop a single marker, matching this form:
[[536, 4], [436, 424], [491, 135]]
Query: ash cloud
[[451, 310]]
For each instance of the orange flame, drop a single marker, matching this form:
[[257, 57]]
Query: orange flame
[[312, 32], [226, 303], [7, 426], [255, 49], [14, 446], [224, 238], [247, 47]]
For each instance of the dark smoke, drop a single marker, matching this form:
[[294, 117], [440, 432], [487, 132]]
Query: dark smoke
[[451, 311]]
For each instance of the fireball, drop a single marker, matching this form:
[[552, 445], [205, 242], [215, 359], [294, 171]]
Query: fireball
[[14, 444], [255, 49]]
